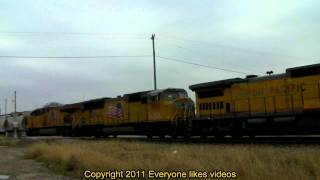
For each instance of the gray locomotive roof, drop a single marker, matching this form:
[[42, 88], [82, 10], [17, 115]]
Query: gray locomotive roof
[[221, 83], [270, 77], [162, 90], [142, 93], [79, 105], [96, 100], [228, 82], [153, 92], [303, 67], [301, 71], [293, 72]]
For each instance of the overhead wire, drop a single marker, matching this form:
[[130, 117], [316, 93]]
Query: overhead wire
[[70, 33], [202, 65], [72, 57], [200, 53], [240, 49], [109, 56], [132, 56]]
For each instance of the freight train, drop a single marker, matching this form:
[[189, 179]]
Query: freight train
[[159, 112], [287, 103]]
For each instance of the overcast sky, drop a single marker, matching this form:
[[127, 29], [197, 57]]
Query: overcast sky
[[247, 36]]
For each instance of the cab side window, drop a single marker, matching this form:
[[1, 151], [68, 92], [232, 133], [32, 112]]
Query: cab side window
[[144, 100], [228, 107], [154, 98]]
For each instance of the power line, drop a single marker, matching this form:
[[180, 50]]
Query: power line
[[202, 65], [240, 49], [72, 57], [76, 35], [73, 33], [132, 56], [145, 36], [74, 38], [189, 50]]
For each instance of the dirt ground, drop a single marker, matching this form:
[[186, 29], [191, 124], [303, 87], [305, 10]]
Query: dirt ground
[[14, 164]]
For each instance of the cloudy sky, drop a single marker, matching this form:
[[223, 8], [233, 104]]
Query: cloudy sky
[[246, 36]]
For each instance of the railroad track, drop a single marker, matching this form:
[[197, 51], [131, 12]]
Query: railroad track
[[246, 140], [210, 140]]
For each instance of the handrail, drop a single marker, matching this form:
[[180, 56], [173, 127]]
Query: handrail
[[319, 89]]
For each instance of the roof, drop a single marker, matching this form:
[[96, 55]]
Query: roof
[[151, 93], [269, 77], [303, 67], [95, 100], [138, 95], [141, 93], [301, 71], [308, 70], [83, 104], [72, 106], [217, 84]]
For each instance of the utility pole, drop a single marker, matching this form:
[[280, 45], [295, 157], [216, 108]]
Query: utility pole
[[15, 124], [154, 63], [5, 115], [15, 102], [5, 109]]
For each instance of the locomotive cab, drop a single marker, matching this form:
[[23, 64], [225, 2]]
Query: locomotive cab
[[171, 105], [158, 112], [169, 95]]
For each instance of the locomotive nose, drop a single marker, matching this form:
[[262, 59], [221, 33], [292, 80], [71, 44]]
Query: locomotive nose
[[185, 106]]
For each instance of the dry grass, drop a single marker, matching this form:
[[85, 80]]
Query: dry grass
[[7, 141], [248, 161]]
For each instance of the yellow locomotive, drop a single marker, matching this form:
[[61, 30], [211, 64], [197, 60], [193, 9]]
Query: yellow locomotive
[[159, 112], [287, 103], [43, 120]]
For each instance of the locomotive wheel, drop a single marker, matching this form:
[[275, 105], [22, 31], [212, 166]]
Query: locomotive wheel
[[251, 136], [219, 136], [174, 136], [186, 136], [203, 137], [237, 136], [162, 137]]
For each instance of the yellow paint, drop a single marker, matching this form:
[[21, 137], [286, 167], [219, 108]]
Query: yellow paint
[[50, 118], [284, 94]]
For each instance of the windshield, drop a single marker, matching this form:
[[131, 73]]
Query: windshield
[[173, 94]]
